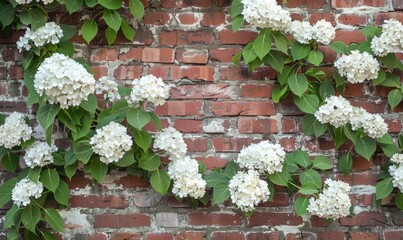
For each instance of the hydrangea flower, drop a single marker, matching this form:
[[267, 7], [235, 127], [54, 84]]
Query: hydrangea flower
[[14, 131], [111, 142], [397, 158], [171, 141], [357, 67], [45, 2], [264, 156], [108, 87], [302, 31], [334, 201], [149, 88], [391, 39], [39, 154], [397, 175], [336, 111], [247, 190], [24, 190], [50, 33], [323, 32], [64, 81]]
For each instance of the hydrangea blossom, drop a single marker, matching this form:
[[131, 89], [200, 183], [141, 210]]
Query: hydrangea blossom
[[357, 67], [397, 158], [171, 141], [247, 190], [333, 202], [39, 154], [24, 190], [302, 31], [50, 33], [397, 176], [63, 80], [14, 130], [111, 142], [266, 14], [323, 32], [374, 125], [45, 2], [187, 181], [391, 39], [336, 111], [264, 157], [149, 88], [108, 87]]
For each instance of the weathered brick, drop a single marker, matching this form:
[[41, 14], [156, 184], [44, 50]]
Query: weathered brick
[[187, 18], [393, 235], [95, 201], [251, 125], [212, 162], [243, 73], [166, 219], [196, 56], [223, 144], [348, 37], [181, 108], [128, 72], [185, 4], [103, 54], [238, 37], [159, 236], [256, 91], [203, 37], [330, 236], [156, 18], [125, 236], [266, 236], [238, 108], [363, 236], [353, 19], [213, 219], [205, 73], [273, 219], [223, 54], [188, 235], [213, 19], [121, 220], [368, 219], [202, 91], [189, 125], [196, 144], [159, 55], [227, 236]]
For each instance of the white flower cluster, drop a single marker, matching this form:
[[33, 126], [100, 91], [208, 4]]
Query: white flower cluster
[[28, 1], [397, 174], [108, 87], [333, 202], [14, 130], [264, 157], [39, 154], [397, 158], [149, 88], [323, 32], [171, 141], [391, 39], [266, 14], [63, 80], [50, 33], [111, 142], [247, 190], [25, 189], [187, 181], [358, 67], [338, 111]]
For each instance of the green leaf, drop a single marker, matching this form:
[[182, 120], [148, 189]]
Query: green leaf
[[110, 35], [385, 139], [111, 118], [280, 42], [262, 43], [6, 14], [62, 193], [298, 84], [10, 161], [299, 51], [9, 218], [248, 53], [280, 178], [366, 147], [309, 188], [66, 48], [322, 163], [112, 19], [275, 59], [399, 200], [311, 176], [73, 5], [98, 169], [283, 76], [34, 16], [236, 8], [156, 120], [30, 216], [237, 22], [381, 77], [315, 57], [91, 3], [48, 236], [12, 233], [127, 160], [338, 136], [89, 30], [371, 31], [54, 219], [5, 191], [150, 163], [160, 181], [111, 4], [46, 114], [389, 149], [326, 89], [301, 205], [90, 104], [395, 97], [220, 193], [384, 188], [34, 173], [142, 138], [338, 47], [278, 93], [391, 61], [302, 158], [231, 169], [350, 134], [136, 8], [137, 118], [83, 150], [345, 163], [50, 179], [214, 179], [128, 31], [290, 165], [308, 103], [70, 170]]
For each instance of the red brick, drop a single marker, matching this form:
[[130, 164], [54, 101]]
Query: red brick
[[185, 4], [237, 108], [279, 200], [238, 37], [227, 236], [142, 37], [299, 236], [243, 73], [11, 54], [329, 56], [203, 37], [309, 4], [99, 71], [353, 19], [121, 220], [201, 91], [360, 163], [196, 144], [266, 236], [362, 199], [95, 201], [156, 18], [92, 236], [288, 125], [393, 235], [181, 108], [273, 219], [16, 72], [212, 162], [288, 107], [397, 4], [132, 182], [160, 55], [359, 178], [315, 17], [190, 235], [103, 54], [357, 3], [78, 182], [213, 19], [187, 18], [363, 236], [125, 236], [354, 90], [330, 236], [394, 125], [222, 144], [159, 236], [213, 219], [129, 72], [366, 219], [205, 73], [196, 56], [189, 126], [348, 37], [288, 143], [370, 106], [256, 91], [223, 54], [251, 125], [318, 222], [382, 16]]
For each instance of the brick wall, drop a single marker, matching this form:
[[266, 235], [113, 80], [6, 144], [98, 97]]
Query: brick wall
[[220, 108]]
